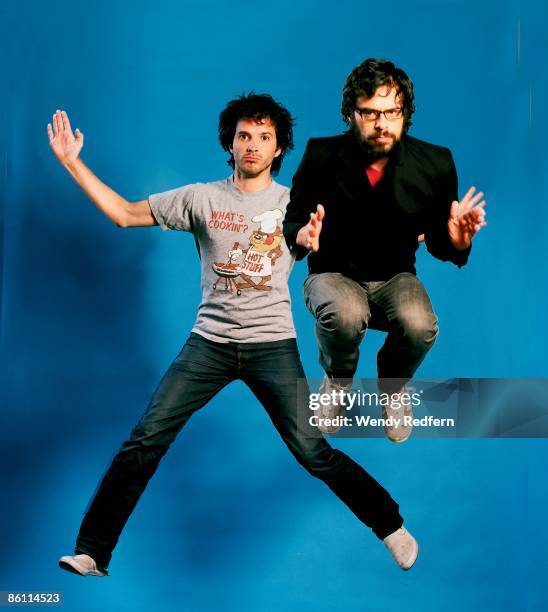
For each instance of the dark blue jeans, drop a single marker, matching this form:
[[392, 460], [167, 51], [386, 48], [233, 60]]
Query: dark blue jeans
[[271, 370]]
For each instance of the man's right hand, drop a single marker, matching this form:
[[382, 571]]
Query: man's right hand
[[62, 141], [309, 235]]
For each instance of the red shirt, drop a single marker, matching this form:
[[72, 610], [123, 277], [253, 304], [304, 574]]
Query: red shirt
[[374, 175]]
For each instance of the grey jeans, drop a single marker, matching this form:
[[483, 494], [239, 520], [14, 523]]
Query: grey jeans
[[344, 309]]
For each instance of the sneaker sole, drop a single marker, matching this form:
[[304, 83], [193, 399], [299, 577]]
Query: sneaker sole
[[406, 569], [399, 440], [75, 568]]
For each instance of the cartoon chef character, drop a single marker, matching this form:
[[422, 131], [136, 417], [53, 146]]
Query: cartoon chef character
[[264, 249]]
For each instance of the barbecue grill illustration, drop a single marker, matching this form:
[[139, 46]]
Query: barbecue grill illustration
[[229, 270]]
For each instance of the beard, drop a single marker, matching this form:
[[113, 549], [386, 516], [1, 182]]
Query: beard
[[373, 150]]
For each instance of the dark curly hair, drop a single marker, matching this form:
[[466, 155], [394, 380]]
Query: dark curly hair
[[258, 107], [366, 78]]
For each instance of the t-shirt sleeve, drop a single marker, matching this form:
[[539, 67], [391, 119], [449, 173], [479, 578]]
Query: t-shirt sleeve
[[173, 209]]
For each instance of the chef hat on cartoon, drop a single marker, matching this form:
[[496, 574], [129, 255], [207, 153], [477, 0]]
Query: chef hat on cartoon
[[268, 220]]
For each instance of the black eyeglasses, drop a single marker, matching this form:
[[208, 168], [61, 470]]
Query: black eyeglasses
[[370, 114]]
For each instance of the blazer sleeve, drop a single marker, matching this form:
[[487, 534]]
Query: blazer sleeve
[[303, 199], [436, 235]]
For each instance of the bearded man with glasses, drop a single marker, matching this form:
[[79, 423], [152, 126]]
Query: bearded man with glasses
[[373, 193]]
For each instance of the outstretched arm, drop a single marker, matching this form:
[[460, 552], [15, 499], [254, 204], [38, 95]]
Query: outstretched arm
[[66, 146]]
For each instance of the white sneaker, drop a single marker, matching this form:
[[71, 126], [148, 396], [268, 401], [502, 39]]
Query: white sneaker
[[403, 547], [81, 564], [396, 430], [330, 411]]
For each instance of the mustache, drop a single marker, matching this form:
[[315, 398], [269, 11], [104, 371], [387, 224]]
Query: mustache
[[382, 135]]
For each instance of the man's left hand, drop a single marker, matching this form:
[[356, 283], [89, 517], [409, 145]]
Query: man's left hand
[[466, 219]]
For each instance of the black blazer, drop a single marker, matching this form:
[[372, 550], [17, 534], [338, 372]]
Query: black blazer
[[372, 234]]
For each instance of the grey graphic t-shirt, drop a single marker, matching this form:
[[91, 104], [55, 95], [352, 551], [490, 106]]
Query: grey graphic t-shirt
[[245, 261]]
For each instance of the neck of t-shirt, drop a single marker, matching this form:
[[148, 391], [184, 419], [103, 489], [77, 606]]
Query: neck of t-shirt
[[251, 185]]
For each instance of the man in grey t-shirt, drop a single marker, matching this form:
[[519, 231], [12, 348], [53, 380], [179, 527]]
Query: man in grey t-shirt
[[245, 261], [244, 328]]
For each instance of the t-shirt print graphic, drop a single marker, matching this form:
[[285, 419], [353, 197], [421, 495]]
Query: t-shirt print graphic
[[255, 271]]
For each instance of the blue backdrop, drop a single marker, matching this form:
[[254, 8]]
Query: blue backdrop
[[91, 315]]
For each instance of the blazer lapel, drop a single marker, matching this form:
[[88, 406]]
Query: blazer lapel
[[349, 173]]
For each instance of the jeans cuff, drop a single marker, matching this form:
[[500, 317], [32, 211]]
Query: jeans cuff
[[102, 561], [386, 530]]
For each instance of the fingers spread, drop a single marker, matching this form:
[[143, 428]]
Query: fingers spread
[[475, 199], [468, 195], [464, 204], [470, 200]]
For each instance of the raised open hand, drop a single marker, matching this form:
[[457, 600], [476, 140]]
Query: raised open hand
[[62, 141], [309, 235], [466, 219]]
